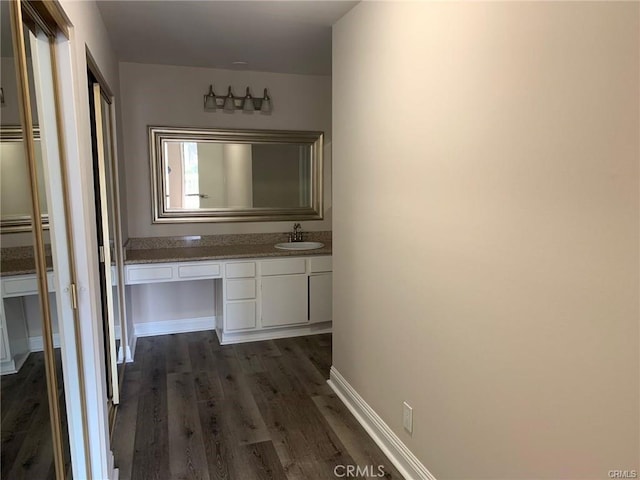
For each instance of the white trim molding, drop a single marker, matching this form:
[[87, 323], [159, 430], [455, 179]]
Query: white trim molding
[[402, 458], [242, 336], [166, 327]]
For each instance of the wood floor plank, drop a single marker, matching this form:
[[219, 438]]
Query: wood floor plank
[[201, 348], [177, 354], [14, 386], [312, 380], [151, 456], [288, 440], [258, 461], [126, 422], [207, 385], [216, 445], [358, 443], [24, 400], [242, 418], [35, 458], [11, 446], [323, 442], [259, 410], [318, 355], [187, 458]]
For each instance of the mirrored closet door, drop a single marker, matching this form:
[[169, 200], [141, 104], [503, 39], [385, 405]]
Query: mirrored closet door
[[109, 237], [38, 320]]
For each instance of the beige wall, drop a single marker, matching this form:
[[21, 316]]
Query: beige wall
[[90, 35], [486, 246], [172, 96]]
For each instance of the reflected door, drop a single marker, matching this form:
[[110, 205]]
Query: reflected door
[[105, 217]]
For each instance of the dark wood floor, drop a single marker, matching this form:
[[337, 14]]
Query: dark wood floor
[[27, 447], [193, 409]]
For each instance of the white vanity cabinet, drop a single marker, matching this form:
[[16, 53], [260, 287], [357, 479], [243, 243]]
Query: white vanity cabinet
[[240, 296], [292, 296], [284, 290], [14, 336], [252, 299], [320, 287]]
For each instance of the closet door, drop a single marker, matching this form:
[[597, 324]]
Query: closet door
[[42, 404], [107, 243]]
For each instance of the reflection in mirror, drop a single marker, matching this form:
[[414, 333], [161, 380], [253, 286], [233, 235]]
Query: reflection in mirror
[[34, 423], [15, 198], [235, 175]]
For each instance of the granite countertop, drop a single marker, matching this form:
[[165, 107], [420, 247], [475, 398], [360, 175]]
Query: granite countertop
[[216, 252], [218, 247], [20, 261]]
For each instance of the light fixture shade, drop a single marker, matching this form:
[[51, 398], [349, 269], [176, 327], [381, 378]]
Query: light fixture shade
[[229, 104], [266, 103], [210, 99], [247, 103]]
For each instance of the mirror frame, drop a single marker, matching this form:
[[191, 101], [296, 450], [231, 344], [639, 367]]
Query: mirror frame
[[13, 133], [158, 135]]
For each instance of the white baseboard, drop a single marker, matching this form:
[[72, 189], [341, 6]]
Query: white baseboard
[[228, 338], [166, 327], [406, 462], [36, 344]]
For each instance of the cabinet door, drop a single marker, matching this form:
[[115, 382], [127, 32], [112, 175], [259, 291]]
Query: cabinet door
[[240, 315], [320, 299], [284, 300]]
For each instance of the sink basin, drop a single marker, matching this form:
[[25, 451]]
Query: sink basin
[[299, 245]]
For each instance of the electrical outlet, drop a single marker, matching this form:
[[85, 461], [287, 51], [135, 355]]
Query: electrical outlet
[[407, 417]]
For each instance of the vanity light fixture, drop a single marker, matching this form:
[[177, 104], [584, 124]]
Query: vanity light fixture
[[231, 103], [247, 102]]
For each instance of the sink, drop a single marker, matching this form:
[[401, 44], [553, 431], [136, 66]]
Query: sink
[[299, 245]]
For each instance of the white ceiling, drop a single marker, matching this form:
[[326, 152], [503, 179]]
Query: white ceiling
[[271, 36]]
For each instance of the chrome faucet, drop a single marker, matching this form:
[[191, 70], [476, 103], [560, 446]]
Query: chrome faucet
[[296, 235]]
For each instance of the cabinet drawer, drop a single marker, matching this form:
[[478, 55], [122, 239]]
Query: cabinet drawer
[[241, 270], [19, 286], [23, 285], [320, 264], [149, 274], [199, 270], [287, 266], [241, 289], [240, 315]]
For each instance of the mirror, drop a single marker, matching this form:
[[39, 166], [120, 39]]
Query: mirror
[[213, 175], [15, 199]]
